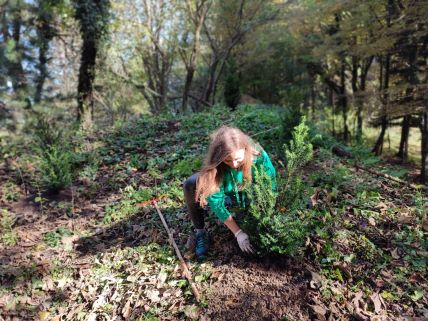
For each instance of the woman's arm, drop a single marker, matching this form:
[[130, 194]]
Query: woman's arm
[[231, 225]]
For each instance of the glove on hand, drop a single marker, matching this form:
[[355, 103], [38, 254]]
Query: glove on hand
[[244, 242]]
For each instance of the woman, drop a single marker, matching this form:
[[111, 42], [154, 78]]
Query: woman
[[228, 167]]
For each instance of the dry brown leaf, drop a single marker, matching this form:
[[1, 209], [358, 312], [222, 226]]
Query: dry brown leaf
[[315, 283], [405, 219], [394, 254], [91, 317], [75, 311], [356, 300], [153, 295], [69, 240], [215, 274], [192, 311], [377, 302], [319, 311], [48, 284], [5, 299], [162, 276], [425, 224], [126, 310]]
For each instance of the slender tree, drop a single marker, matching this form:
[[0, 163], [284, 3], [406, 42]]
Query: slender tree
[[197, 12], [93, 18]]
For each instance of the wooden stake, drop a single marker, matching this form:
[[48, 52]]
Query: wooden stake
[[184, 268]]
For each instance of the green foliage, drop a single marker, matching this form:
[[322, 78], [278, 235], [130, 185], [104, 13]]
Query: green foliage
[[93, 17], [127, 207], [55, 168], [53, 238], [298, 153], [186, 167], [54, 155], [332, 178], [47, 134], [364, 155], [278, 222], [10, 192], [8, 236]]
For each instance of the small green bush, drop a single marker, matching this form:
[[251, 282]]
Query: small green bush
[[55, 168], [277, 222], [53, 238], [55, 156]]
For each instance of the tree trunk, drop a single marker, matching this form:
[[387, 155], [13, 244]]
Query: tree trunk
[[313, 98], [424, 125], [344, 102], [378, 147], [85, 98], [198, 20], [333, 111], [93, 18], [384, 85], [404, 141], [16, 71], [357, 98], [424, 147], [43, 72]]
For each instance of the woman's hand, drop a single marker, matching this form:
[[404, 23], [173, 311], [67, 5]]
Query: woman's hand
[[244, 242], [241, 237]]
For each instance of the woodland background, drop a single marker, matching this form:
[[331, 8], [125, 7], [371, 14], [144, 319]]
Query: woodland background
[[106, 106]]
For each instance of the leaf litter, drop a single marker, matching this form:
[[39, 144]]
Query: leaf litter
[[125, 270]]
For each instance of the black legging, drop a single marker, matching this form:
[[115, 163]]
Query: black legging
[[197, 213]]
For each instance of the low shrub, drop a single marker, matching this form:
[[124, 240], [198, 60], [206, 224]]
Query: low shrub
[[277, 222], [55, 168]]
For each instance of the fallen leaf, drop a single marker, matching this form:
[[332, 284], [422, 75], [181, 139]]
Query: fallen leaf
[[43, 315], [191, 311], [69, 240], [75, 311], [162, 277], [425, 224], [153, 295], [48, 284], [377, 302], [215, 275], [319, 312], [405, 219], [91, 317], [126, 310], [315, 283], [394, 254]]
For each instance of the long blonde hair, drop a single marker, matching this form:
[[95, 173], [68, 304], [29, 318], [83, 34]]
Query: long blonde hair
[[224, 141]]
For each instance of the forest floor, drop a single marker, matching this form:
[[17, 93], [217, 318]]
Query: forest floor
[[98, 250]]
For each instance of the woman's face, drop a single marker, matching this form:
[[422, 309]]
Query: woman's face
[[235, 159]]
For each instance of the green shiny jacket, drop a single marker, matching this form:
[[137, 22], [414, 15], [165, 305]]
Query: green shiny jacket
[[232, 179]]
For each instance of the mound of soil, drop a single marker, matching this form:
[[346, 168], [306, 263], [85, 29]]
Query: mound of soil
[[256, 289]]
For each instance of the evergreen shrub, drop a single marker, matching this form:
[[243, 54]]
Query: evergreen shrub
[[55, 168], [55, 158], [278, 222]]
